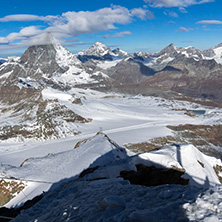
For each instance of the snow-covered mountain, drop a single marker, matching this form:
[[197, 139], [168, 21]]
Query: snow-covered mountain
[[214, 53], [48, 65], [2, 60], [98, 49], [188, 71], [161, 59], [101, 52], [27, 113]]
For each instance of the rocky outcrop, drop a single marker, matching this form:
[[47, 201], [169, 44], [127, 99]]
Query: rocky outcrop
[[152, 176]]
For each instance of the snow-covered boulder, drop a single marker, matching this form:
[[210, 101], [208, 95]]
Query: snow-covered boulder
[[197, 168]]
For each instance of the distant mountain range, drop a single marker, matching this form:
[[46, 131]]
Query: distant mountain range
[[173, 71], [174, 68]]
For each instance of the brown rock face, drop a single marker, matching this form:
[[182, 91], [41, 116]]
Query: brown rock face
[[8, 189], [13, 94], [129, 71], [197, 79], [40, 57]]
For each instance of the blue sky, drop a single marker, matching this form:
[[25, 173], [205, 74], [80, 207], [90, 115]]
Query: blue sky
[[136, 25]]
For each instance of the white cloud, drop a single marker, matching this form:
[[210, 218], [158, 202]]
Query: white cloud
[[72, 24], [171, 14], [175, 3], [183, 10], [30, 31], [119, 34], [21, 18], [183, 29], [24, 33], [142, 13], [85, 22], [3, 40], [27, 18], [209, 22]]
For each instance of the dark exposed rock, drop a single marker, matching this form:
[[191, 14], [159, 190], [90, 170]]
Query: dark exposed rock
[[6, 214], [88, 171], [129, 71], [152, 176]]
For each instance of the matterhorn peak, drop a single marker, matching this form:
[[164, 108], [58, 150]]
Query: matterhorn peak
[[48, 53]]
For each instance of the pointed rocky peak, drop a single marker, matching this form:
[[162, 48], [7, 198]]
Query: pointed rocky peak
[[169, 49], [48, 49], [46, 53], [40, 59], [38, 54], [98, 49], [171, 45]]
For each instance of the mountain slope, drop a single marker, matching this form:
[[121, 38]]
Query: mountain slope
[[93, 152], [214, 53], [197, 79]]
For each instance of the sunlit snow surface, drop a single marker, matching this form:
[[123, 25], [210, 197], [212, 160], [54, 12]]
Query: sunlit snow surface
[[123, 119]]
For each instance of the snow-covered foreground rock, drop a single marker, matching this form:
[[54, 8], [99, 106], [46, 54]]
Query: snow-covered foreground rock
[[207, 207], [195, 166], [199, 168], [88, 184], [116, 200]]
